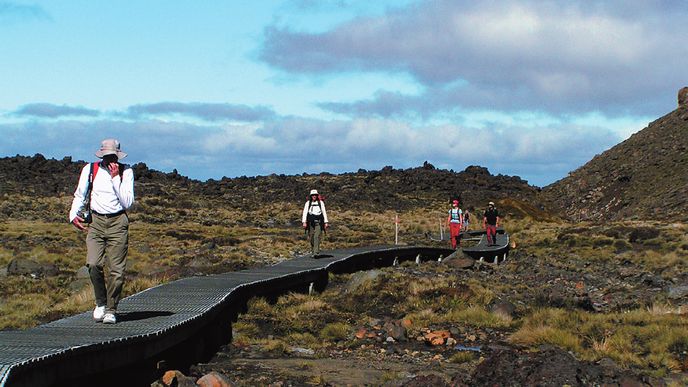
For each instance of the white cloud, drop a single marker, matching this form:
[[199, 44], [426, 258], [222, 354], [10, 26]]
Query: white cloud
[[292, 145], [560, 57]]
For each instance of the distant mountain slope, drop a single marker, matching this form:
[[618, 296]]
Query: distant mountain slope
[[644, 177]]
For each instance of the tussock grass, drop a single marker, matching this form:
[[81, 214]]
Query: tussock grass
[[641, 338], [80, 301], [479, 317], [462, 357], [306, 340], [335, 332], [22, 312]]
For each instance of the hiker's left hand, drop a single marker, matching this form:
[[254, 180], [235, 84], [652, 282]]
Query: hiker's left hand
[[327, 225]]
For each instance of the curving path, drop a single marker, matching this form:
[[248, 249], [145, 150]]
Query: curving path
[[482, 251], [172, 325]]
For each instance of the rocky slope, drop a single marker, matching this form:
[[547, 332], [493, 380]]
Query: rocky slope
[[644, 177]]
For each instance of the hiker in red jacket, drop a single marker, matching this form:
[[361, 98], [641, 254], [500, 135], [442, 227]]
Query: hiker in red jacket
[[490, 223], [455, 220]]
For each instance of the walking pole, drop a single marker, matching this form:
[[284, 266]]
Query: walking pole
[[396, 229]]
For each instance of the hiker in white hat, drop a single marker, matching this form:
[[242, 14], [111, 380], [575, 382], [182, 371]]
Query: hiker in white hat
[[490, 223], [314, 220], [104, 193]]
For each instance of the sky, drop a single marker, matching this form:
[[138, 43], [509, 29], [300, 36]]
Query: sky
[[233, 88]]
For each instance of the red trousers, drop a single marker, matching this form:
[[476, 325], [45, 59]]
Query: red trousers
[[491, 230], [454, 229]]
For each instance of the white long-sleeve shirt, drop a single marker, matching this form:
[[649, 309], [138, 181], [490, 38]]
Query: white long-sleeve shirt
[[315, 209], [109, 194]]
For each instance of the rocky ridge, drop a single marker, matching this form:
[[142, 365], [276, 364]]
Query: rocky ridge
[[644, 177], [385, 189]]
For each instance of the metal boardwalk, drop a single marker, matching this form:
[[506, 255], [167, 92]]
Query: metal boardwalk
[[186, 318]]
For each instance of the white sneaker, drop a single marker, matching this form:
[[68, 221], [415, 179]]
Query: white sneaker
[[109, 318], [98, 313]]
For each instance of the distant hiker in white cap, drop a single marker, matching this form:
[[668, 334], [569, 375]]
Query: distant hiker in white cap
[[104, 193], [490, 223], [314, 219], [455, 220]]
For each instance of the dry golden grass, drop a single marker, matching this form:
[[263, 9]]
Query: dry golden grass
[[477, 316], [335, 331], [23, 312], [642, 338]]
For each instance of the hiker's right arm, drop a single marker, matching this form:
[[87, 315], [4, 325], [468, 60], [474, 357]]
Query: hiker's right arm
[[304, 215], [79, 194]]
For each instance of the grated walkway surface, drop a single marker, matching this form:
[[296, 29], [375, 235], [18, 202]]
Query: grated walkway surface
[[161, 317]]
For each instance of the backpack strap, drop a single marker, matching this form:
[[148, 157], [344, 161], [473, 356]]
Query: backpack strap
[[94, 171]]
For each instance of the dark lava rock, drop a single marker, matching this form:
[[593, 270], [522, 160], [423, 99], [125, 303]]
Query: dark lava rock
[[677, 291], [549, 367], [21, 266]]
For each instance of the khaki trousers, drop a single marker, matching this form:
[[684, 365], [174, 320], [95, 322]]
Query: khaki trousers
[[107, 243], [314, 233]]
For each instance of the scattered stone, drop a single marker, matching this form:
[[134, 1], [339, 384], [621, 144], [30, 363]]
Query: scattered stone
[[214, 379], [395, 330], [436, 338], [170, 378]]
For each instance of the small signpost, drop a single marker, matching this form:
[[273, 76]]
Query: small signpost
[[396, 229]]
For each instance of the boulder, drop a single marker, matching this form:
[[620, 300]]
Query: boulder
[[360, 279], [174, 378], [82, 272], [22, 266], [504, 308], [395, 330], [677, 291], [79, 284], [214, 379], [461, 263]]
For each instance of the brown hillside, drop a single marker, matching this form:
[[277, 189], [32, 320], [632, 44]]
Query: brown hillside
[[644, 177]]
